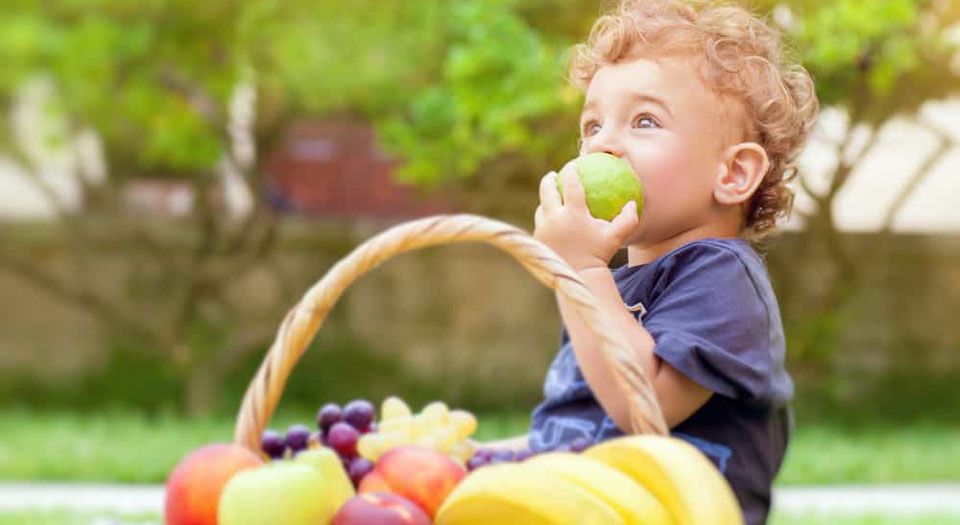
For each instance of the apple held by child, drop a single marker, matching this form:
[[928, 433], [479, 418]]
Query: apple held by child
[[608, 183]]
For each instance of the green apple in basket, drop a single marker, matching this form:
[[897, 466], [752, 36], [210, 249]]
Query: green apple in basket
[[609, 183], [307, 490]]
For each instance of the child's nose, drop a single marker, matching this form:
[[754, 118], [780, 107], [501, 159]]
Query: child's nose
[[606, 141]]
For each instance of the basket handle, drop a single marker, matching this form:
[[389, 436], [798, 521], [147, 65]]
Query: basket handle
[[303, 320]]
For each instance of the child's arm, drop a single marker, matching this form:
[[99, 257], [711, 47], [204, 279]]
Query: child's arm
[[679, 397], [588, 244]]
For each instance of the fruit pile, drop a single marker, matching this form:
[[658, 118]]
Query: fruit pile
[[492, 456], [337, 428], [635, 480], [435, 427], [419, 469]]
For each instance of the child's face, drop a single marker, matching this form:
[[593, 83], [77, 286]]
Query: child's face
[[662, 119]]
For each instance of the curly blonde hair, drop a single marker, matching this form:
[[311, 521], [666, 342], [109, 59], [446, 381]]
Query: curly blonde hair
[[741, 56]]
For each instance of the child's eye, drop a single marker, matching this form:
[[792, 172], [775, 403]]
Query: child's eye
[[645, 121], [590, 128]]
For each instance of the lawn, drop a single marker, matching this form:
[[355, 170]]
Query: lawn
[[68, 518], [130, 448]]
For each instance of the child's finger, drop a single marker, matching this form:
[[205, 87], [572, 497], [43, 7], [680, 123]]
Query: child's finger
[[549, 196], [538, 217], [625, 221], [573, 194]]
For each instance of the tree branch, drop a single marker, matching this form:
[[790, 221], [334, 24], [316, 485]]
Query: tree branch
[[844, 168], [944, 145], [805, 186], [79, 296]]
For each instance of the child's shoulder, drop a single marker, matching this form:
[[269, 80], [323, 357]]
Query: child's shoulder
[[704, 265], [714, 253]]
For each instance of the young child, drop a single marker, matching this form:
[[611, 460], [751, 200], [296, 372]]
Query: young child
[[703, 105]]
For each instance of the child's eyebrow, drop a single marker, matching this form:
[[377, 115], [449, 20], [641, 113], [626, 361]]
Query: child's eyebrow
[[633, 97]]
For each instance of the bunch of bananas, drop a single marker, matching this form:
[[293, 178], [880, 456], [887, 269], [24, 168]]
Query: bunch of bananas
[[634, 480]]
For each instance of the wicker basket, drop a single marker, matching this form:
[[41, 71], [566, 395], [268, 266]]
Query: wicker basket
[[303, 320]]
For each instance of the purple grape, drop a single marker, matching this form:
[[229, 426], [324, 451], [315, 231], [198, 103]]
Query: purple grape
[[523, 455], [327, 416], [502, 455], [360, 414], [298, 437], [484, 453], [579, 444], [372, 428], [359, 467], [273, 443], [342, 437], [476, 462]]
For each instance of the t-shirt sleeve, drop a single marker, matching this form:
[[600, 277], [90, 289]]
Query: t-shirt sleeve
[[710, 322]]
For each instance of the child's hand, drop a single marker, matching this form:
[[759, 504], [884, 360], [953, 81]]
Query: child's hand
[[566, 226]]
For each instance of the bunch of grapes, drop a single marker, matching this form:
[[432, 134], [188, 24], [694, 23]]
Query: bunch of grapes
[[492, 456], [337, 428], [436, 427]]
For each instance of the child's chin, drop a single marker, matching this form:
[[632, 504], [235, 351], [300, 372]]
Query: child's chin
[[634, 237]]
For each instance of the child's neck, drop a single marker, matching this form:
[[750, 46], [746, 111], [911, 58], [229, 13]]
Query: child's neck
[[643, 253]]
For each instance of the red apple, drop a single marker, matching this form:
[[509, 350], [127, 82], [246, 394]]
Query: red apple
[[373, 482], [381, 508], [194, 486], [423, 475]]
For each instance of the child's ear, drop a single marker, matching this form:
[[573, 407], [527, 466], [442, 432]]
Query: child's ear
[[742, 172]]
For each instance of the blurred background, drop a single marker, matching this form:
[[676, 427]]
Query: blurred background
[[174, 175]]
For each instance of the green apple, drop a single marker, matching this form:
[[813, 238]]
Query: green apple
[[609, 184], [283, 492], [339, 486]]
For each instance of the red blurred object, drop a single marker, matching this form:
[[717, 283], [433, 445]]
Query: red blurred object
[[334, 169]]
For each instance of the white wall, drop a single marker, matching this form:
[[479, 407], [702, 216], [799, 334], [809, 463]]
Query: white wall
[[868, 196]]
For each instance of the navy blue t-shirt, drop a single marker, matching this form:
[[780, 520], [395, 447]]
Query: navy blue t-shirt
[[714, 317]]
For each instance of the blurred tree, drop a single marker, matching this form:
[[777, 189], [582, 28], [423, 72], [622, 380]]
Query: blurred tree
[[499, 114], [499, 111], [192, 93], [874, 61], [470, 93]]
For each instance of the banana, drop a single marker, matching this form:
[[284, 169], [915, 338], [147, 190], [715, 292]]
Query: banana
[[520, 494], [634, 502], [677, 474]]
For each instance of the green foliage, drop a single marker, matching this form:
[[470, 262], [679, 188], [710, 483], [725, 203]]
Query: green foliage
[[499, 78], [453, 85], [888, 54], [501, 75], [154, 78], [843, 39], [128, 71]]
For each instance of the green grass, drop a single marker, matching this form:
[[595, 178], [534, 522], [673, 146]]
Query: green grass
[[86, 518], [131, 448], [63, 517], [909, 454], [871, 519]]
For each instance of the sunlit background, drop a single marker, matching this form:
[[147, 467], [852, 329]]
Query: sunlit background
[[174, 175]]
